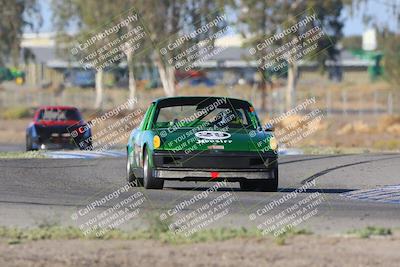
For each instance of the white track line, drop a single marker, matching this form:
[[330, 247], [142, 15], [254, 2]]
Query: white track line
[[84, 154], [385, 194]]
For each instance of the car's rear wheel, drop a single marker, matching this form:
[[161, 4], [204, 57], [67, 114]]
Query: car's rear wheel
[[149, 182], [267, 185]]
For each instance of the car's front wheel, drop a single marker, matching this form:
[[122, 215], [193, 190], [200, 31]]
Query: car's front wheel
[[130, 176], [269, 185], [149, 182], [248, 185]]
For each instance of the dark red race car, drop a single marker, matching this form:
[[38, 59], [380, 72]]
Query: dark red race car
[[58, 127]]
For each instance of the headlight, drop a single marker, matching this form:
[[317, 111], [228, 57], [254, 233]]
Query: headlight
[[156, 141], [273, 143]]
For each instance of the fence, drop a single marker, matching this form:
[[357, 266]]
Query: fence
[[80, 98], [339, 102], [336, 103]]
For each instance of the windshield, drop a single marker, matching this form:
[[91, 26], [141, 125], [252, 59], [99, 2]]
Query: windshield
[[55, 114], [234, 114]]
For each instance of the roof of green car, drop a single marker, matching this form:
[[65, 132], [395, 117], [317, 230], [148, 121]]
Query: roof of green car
[[180, 97]]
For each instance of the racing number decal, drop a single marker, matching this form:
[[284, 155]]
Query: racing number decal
[[212, 135]]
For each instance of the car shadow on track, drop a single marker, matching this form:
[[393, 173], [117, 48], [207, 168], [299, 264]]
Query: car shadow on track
[[280, 190], [319, 190], [203, 189]]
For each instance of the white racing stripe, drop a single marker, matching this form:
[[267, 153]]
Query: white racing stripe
[[385, 194], [84, 154]]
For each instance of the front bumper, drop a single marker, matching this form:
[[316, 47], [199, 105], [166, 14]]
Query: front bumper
[[193, 175], [51, 146], [206, 165]]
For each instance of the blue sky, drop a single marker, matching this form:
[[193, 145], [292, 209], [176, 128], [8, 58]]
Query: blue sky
[[380, 9]]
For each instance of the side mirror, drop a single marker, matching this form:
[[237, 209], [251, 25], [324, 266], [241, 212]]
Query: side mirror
[[269, 127]]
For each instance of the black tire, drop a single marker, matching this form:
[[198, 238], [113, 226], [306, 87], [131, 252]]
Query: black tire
[[268, 185], [248, 185], [149, 182], [28, 142], [130, 176], [87, 147]]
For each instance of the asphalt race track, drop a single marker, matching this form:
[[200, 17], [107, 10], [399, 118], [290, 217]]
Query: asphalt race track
[[357, 191]]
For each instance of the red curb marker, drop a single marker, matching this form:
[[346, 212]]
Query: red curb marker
[[214, 175]]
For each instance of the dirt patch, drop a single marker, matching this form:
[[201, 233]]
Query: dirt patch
[[297, 251], [374, 133], [13, 131]]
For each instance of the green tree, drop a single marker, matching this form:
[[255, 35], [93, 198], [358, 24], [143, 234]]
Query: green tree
[[168, 20], [15, 17], [388, 36], [353, 42], [92, 17], [163, 21], [389, 44], [261, 20]]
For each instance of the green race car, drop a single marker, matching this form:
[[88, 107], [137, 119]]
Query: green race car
[[202, 139]]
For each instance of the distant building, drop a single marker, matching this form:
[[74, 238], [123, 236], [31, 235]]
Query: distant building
[[43, 66], [38, 53]]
